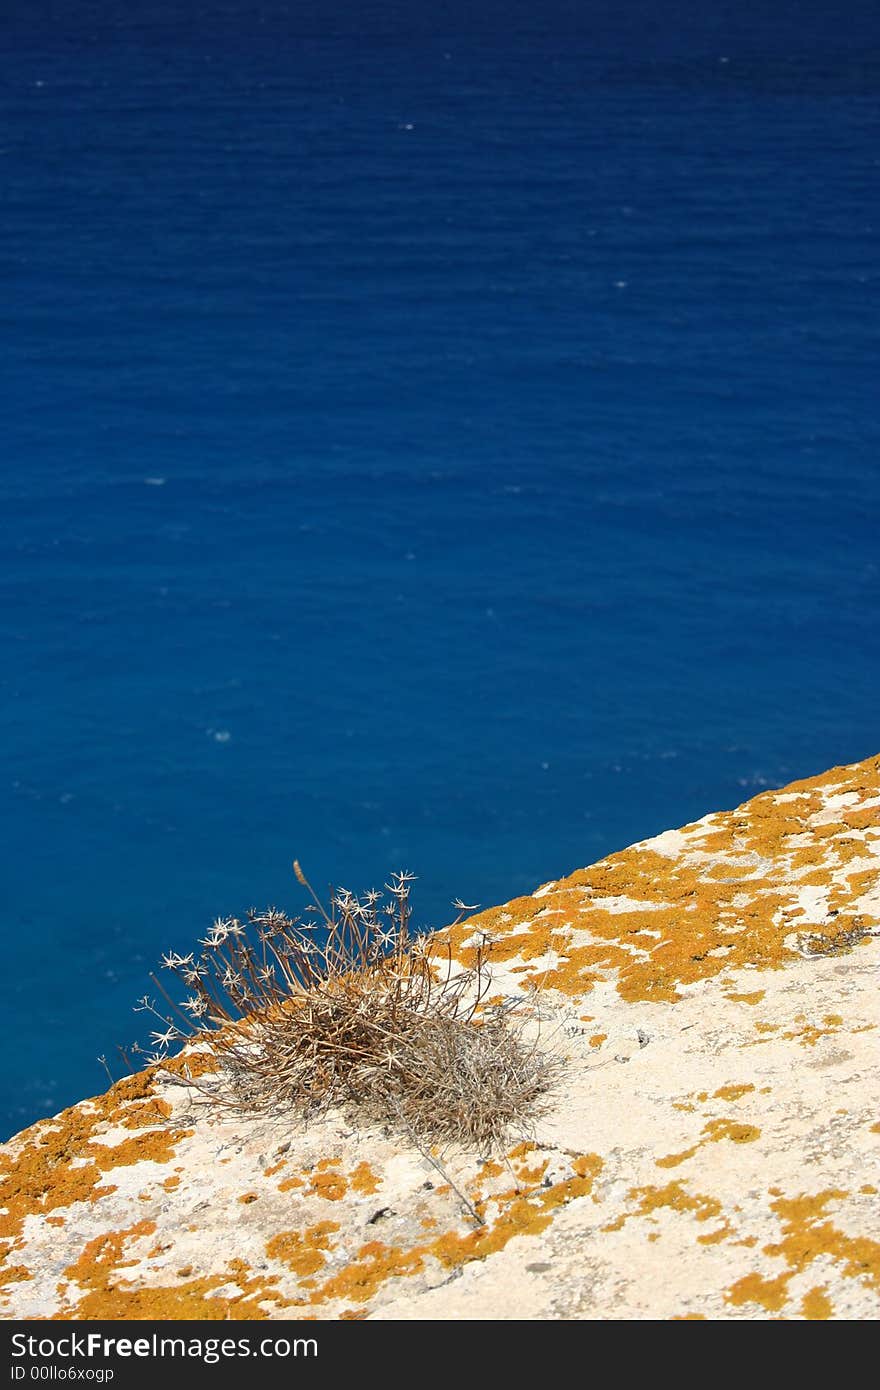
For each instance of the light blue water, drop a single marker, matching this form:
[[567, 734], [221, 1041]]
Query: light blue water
[[431, 439]]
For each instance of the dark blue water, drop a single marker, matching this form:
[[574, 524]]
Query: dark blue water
[[433, 437]]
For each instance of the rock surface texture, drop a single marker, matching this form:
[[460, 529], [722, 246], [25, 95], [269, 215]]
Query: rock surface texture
[[709, 1151]]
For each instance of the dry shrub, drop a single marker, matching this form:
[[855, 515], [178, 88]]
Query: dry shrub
[[351, 1008]]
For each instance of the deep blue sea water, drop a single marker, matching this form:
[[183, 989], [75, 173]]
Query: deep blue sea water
[[440, 437]]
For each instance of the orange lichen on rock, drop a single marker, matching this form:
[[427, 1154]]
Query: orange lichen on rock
[[157, 1145], [805, 1235], [364, 1180], [515, 1213], [374, 1264], [674, 1197], [816, 1306], [729, 1129], [329, 1185], [148, 1112], [732, 1092], [303, 1252], [13, 1274], [48, 1172], [808, 1034], [191, 1064], [716, 1129], [673, 1160], [104, 1294], [752, 1288], [654, 922], [527, 1175], [714, 1237], [520, 1214]]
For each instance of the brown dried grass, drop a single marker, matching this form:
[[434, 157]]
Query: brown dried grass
[[353, 1009]]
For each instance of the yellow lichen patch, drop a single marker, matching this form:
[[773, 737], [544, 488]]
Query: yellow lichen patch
[[729, 1129], [816, 1306], [103, 1254], [674, 1197], [193, 1300], [13, 1274], [805, 1235], [713, 1237], [303, 1251], [105, 1294], [329, 1185], [515, 1213], [374, 1264], [148, 1112], [587, 1166], [754, 997], [808, 1034], [247, 1197], [527, 1176], [868, 1189], [48, 1172], [364, 1180], [838, 937], [597, 1039], [732, 1092], [688, 1317], [860, 819], [652, 922], [157, 1145], [519, 1214], [752, 1288], [170, 1183], [523, 1149], [191, 1064], [673, 1160], [290, 1183]]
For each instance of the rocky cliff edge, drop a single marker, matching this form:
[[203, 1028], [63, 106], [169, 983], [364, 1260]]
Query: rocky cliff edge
[[710, 1150]]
